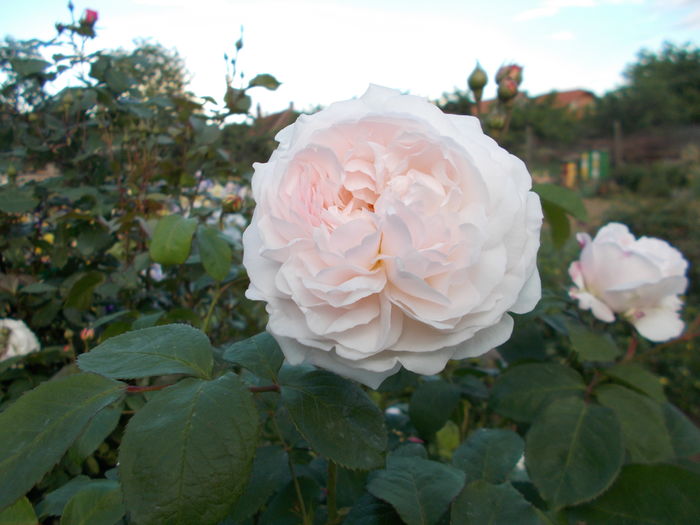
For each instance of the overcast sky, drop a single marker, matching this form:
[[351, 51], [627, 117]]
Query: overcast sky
[[330, 50]]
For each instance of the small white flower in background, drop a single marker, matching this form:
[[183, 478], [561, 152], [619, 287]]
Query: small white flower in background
[[638, 279], [387, 234], [156, 273], [16, 339]]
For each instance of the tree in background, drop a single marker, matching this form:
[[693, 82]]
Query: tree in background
[[662, 89]]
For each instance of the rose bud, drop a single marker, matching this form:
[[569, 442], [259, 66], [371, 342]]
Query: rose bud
[[389, 234], [232, 204], [516, 73], [638, 279], [478, 78], [507, 90], [512, 71], [89, 17]]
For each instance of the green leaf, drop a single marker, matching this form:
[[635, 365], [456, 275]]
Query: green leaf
[[566, 199], [642, 421], [37, 429], [419, 489], [270, 470], [93, 240], [431, 405], [29, 66], [38, 288], [637, 377], [369, 510], [101, 426], [186, 455], [237, 101], [266, 81], [80, 294], [16, 200], [645, 495], [573, 451], [172, 239], [19, 513], [447, 440], [47, 313], [558, 222], [55, 501], [525, 389], [214, 251], [117, 80], [591, 346], [684, 434], [100, 503], [481, 503], [489, 454], [260, 354], [155, 351], [335, 416]]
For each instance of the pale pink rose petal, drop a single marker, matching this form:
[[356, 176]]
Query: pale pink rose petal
[[587, 301], [658, 324]]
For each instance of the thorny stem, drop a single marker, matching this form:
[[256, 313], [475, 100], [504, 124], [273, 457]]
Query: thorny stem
[[300, 498], [210, 311], [464, 426], [217, 295], [631, 349], [589, 389], [330, 499]]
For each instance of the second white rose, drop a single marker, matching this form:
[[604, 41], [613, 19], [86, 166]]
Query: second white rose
[[639, 279]]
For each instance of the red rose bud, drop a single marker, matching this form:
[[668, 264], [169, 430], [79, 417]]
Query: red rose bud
[[512, 71], [478, 79], [89, 17], [232, 204], [507, 89], [516, 73]]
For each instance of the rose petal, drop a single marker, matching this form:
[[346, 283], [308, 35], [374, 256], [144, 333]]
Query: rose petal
[[658, 324]]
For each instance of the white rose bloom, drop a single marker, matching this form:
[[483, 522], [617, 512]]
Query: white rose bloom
[[639, 279], [390, 234], [16, 339]]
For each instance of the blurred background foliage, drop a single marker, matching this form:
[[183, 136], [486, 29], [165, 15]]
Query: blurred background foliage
[[124, 196]]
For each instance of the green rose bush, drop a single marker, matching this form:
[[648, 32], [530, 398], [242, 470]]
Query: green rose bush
[[414, 369]]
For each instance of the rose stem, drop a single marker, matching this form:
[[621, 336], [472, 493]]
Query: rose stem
[[297, 488], [330, 501]]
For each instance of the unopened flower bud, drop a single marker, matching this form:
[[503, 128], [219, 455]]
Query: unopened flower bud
[[511, 71], [507, 90], [87, 333], [232, 204], [516, 73], [478, 79], [89, 17]]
